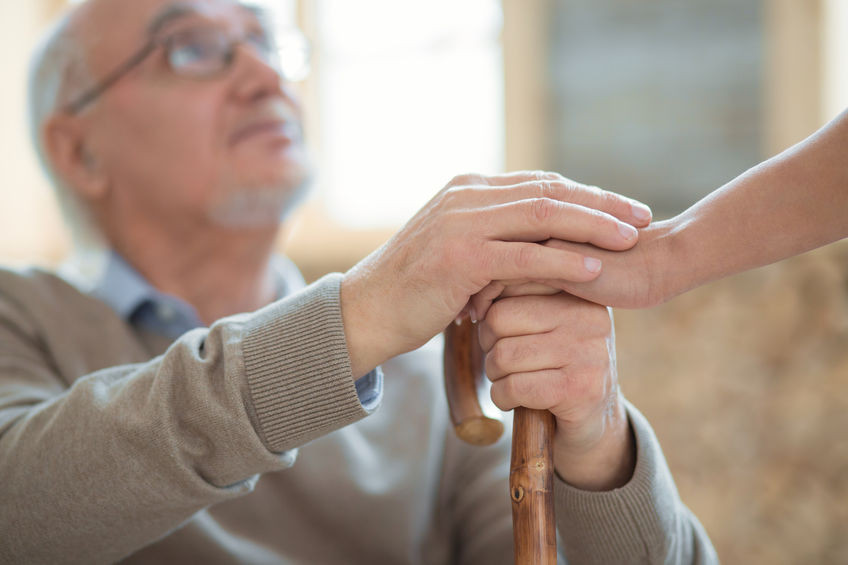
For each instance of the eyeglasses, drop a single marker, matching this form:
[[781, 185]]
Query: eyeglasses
[[204, 53]]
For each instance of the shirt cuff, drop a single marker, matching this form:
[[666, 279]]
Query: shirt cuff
[[369, 389]]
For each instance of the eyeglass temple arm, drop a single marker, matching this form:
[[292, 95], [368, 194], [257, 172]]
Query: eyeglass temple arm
[[90, 95]]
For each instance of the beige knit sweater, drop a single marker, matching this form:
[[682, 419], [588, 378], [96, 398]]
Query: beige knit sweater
[[246, 443]]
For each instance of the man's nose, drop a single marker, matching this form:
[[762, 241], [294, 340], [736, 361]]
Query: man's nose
[[254, 77]]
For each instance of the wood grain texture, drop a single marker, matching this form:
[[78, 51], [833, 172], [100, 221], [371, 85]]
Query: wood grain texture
[[531, 487]]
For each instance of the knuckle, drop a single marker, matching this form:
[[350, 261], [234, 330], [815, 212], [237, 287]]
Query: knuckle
[[499, 396], [598, 197], [494, 318], [540, 174], [499, 316], [601, 220], [542, 209], [465, 179], [518, 389], [499, 356], [452, 196], [595, 191], [611, 200], [613, 203], [525, 256], [492, 371], [459, 180], [485, 335], [547, 189]]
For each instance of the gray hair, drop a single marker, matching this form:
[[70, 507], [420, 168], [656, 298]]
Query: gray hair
[[58, 70]]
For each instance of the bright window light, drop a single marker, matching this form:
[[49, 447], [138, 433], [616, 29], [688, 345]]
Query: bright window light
[[835, 30], [409, 95]]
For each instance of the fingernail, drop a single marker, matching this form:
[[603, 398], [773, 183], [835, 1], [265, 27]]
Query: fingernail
[[472, 313], [627, 231], [640, 211], [592, 265], [458, 320]]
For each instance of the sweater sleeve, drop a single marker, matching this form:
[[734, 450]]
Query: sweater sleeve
[[642, 522], [97, 470]]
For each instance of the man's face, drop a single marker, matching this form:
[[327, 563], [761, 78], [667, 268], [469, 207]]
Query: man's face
[[226, 149]]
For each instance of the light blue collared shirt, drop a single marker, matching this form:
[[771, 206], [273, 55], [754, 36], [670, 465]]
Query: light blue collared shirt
[[135, 300]]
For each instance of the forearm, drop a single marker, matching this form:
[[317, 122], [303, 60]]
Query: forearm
[[133, 451], [790, 204]]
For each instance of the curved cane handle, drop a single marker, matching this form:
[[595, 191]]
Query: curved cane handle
[[467, 388]]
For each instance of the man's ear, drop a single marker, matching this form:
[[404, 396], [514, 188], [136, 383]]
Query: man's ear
[[72, 159]]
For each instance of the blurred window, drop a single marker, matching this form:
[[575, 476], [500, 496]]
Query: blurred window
[[409, 94], [836, 57]]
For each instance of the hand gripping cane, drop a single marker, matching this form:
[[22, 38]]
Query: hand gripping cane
[[531, 466]]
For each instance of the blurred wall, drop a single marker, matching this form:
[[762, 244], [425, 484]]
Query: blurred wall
[[30, 224], [746, 384], [660, 100]]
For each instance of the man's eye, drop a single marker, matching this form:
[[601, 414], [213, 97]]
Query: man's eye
[[196, 55], [184, 57], [192, 51]]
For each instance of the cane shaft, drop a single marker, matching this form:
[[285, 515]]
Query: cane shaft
[[531, 469], [531, 487]]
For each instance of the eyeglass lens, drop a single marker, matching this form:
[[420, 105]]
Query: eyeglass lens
[[205, 53]]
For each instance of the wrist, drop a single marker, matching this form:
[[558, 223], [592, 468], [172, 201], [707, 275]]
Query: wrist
[[603, 462], [363, 324], [670, 263]]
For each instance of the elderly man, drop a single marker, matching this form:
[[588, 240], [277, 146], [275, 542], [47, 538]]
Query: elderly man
[[195, 402]]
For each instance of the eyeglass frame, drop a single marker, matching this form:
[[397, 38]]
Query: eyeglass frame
[[136, 59]]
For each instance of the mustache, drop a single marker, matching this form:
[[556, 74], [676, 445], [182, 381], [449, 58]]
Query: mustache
[[269, 116]]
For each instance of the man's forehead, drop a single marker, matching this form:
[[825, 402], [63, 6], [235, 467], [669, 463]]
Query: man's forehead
[[110, 29], [134, 17], [215, 9]]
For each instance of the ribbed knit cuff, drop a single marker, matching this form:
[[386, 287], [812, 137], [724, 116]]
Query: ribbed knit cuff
[[298, 367], [631, 524]]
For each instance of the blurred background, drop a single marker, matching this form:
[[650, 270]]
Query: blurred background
[[744, 380]]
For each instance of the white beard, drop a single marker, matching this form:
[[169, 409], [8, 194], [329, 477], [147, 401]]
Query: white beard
[[257, 207]]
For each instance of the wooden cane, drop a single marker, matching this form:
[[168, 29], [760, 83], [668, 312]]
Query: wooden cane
[[531, 466]]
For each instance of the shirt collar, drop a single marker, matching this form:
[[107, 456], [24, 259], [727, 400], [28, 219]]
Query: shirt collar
[[135, 300], [122, 287]]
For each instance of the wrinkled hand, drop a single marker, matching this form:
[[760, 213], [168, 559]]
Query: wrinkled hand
[[557, 353], [476, 230]]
